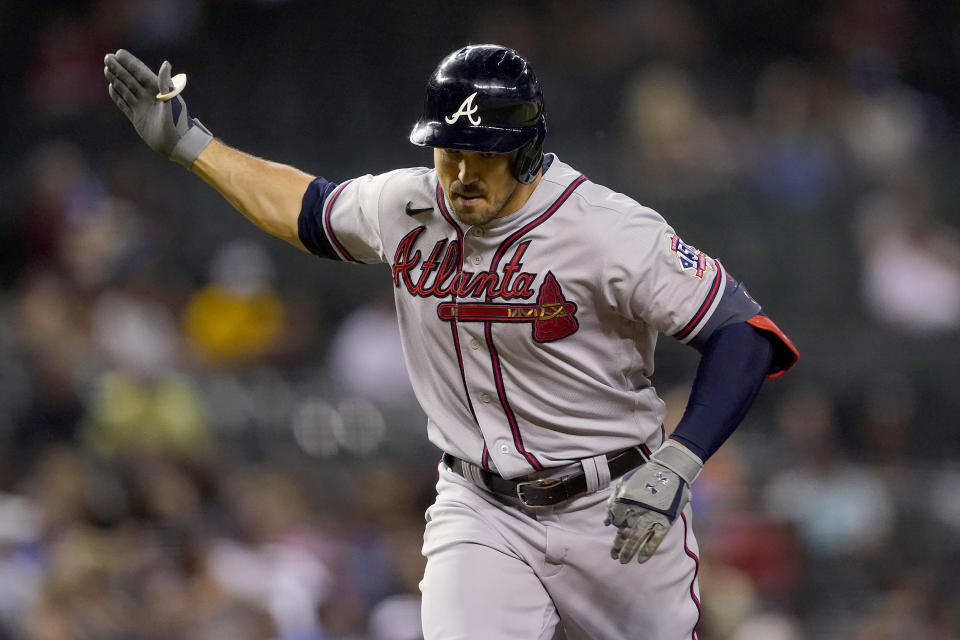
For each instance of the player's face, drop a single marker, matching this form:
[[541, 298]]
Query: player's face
[[480, 186]]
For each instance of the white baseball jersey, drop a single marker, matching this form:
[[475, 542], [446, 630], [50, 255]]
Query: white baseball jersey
[[529, 341]]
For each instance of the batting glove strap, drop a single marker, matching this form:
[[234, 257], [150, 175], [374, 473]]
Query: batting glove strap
[[680, 460], [652, 487], [670, 512], [191, 144]]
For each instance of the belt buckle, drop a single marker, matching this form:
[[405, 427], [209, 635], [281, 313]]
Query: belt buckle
[[540, 483]]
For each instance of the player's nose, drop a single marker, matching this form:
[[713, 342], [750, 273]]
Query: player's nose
[[467, 171]]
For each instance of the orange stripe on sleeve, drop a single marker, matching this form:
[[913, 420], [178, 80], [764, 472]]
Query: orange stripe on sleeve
[[785, 354]]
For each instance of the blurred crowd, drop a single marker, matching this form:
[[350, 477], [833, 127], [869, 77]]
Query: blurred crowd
[[208, 435]]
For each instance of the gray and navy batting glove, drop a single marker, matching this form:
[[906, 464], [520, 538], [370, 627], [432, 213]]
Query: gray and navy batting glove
[[645, 502], [164, 124]]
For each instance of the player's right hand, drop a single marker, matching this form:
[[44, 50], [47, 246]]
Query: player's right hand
[[645, 502], [165, 126]]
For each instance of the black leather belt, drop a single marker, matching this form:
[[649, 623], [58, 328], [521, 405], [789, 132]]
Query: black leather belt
[[544, 492]]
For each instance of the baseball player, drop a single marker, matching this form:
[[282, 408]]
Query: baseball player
[[529, 300]]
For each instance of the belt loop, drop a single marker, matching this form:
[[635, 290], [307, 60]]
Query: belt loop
[[597, 472], [473, 473]]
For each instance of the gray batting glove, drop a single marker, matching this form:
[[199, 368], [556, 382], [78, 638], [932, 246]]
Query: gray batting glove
[[165, 125], [645, 502]]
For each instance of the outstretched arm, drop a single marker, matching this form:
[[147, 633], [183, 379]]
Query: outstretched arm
[[269, 194]]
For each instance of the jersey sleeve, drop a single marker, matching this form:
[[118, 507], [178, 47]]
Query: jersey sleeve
[[737, 306], [342, 221], [652, 276]]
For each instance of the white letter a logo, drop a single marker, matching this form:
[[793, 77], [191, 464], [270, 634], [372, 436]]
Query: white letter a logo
[[466, 109]]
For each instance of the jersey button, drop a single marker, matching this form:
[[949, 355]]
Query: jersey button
[[476, 260], [474, 344], [484, 398], [504, 448]]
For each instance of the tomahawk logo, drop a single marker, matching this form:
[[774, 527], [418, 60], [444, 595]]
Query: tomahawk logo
[[553, 316], [466, 109]]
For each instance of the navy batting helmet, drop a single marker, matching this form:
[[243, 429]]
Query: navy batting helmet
[[485, 97]]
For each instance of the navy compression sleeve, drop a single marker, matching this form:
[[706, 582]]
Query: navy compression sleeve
[[735, 361], [310, 221]]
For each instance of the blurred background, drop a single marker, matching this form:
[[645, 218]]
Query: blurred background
[[206, 434]]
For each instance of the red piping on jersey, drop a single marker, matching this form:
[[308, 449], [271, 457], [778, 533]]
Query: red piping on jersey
[[488, 330], [714, 288], [502, 393], [463, 377], [326, 224], [696, 572], [534, 223], [453, 323]]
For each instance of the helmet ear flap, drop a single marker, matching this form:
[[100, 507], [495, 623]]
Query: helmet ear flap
[[523, 165], [526, 166]]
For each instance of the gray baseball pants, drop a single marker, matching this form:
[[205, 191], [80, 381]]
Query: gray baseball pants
[[497, 570]]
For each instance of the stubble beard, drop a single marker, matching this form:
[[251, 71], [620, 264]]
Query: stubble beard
[[477, 218], [480, 217]]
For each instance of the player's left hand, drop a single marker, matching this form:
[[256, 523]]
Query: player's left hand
[[645, 502], [161, 120]]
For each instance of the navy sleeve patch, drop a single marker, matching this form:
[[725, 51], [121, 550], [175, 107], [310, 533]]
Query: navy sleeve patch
[[735, 306], [310, 221]]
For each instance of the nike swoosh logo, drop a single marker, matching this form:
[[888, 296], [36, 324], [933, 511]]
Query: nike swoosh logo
[[412, 212]]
